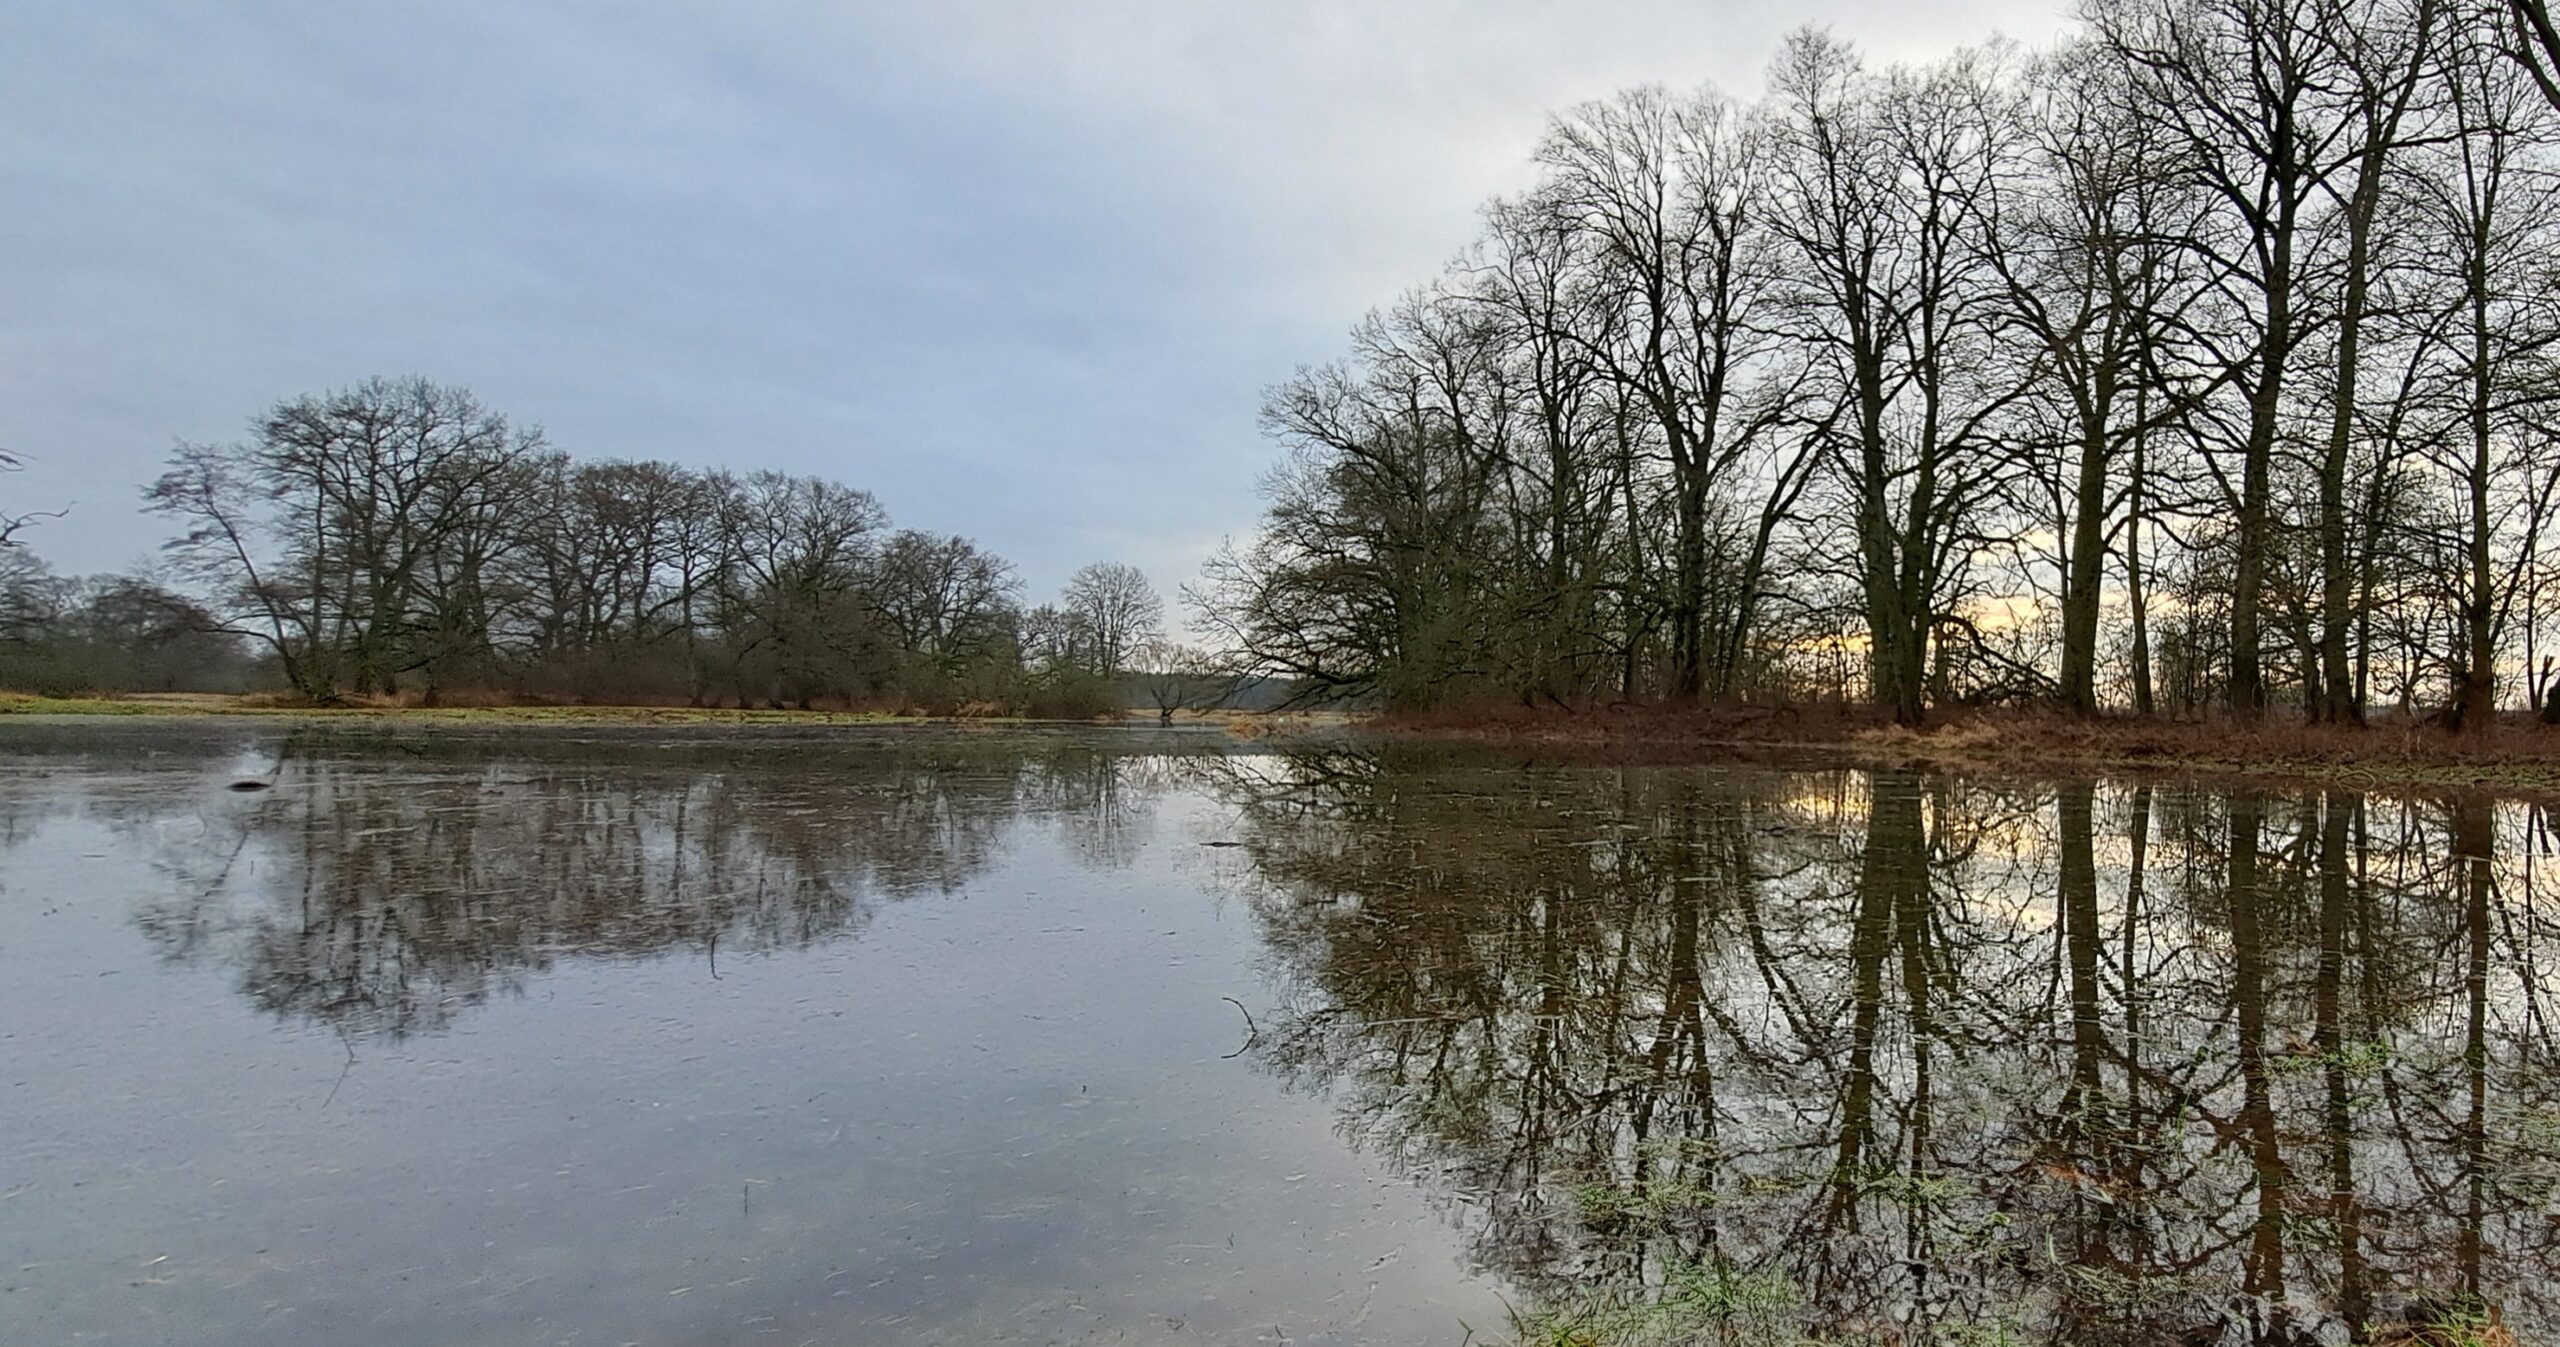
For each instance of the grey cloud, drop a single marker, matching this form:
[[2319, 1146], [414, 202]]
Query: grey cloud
[[1020, 270]]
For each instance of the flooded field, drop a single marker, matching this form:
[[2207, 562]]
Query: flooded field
[[956, 1037]]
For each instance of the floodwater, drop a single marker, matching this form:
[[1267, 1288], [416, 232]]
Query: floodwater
[[1127, 1036]]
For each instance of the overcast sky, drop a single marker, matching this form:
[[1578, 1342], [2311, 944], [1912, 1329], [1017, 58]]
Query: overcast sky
[[1022, 270]]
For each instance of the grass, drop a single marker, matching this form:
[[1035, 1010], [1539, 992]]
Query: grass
[[1696, 1303], [486, 711], [2453, 1321], [2516, 755], [218, 704], [1657, 1204]]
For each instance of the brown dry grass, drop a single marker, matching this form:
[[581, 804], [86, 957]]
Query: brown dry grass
[[2513, 755], [1640, 729], [407, 710], [505, 708]]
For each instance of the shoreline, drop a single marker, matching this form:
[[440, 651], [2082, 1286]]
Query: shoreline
[[219, 706], [2517, 757]]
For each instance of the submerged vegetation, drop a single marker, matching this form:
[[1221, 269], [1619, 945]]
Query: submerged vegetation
[[1693, 1306]]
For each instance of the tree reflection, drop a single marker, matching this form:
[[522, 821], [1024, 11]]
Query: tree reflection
[[385, 890], [1912, 1058]]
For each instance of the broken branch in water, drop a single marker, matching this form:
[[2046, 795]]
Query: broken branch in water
[[1252, 1031]]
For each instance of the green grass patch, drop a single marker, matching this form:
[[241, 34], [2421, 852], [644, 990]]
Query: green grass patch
[[1696, 1303]]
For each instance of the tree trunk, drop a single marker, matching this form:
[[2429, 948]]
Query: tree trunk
[[2083, 569], [1689, 609], [2337, 704], [2476, 700], [2136, 593], [2248, 692]]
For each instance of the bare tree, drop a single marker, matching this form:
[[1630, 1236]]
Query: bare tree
[[2240, 83], [1975, 372], [795, 606], [952, 604], [1671, 194], [1882, 174], [2527, 36], [399, 530], [2490, 215], [1176, 677], [2082, 226], [1116, 613]]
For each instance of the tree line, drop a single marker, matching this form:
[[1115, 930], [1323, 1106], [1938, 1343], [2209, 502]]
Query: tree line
[[400, 538], [2202, 360]]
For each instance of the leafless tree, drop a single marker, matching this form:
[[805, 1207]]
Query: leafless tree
[[1116, 613], [1982, 373], [399, 531]]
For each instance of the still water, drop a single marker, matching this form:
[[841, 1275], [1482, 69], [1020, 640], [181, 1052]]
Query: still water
[[947, 1036]]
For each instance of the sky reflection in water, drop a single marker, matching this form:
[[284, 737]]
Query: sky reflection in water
[[923, 1037]]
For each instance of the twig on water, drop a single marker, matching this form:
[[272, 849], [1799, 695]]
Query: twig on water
[[1252, 1031], [350, 1045]]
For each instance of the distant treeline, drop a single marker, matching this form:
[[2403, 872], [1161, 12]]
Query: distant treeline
[[64, 635], [400, 539], [2207, 359]]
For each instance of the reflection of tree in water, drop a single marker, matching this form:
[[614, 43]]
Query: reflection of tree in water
[[383, 895], [1104, 817], [1909, 1059]]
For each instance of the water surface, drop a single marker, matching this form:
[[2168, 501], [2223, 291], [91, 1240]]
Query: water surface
[[895, 1036]]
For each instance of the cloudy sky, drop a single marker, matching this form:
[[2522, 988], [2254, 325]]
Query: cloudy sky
[[1020, 269]]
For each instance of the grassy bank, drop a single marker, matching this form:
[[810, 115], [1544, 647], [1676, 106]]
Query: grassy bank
[[217, 704], [2515, 756]]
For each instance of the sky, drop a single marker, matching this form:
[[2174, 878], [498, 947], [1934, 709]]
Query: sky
[[1021, 270]]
